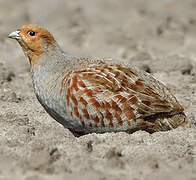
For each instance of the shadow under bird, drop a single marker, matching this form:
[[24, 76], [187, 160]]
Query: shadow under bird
[[89, 95]]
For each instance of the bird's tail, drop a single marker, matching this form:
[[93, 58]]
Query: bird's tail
[[170, 122]]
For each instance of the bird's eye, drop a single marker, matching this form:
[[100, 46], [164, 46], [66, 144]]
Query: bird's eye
[[31, 33]]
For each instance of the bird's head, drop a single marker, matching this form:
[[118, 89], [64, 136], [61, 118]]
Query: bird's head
[[34, 41]]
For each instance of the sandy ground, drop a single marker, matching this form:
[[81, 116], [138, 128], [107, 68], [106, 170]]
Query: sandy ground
[[156, 35]]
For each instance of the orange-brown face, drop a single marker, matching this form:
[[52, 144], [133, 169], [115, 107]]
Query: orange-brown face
[[33, 41], [34, 38]]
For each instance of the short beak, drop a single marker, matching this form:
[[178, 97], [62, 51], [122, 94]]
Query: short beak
[[15, 35]]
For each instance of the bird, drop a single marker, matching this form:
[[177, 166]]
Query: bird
[[95, 95]]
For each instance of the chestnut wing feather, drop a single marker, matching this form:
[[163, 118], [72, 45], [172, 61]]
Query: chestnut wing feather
[[152, 96], [110, 94]]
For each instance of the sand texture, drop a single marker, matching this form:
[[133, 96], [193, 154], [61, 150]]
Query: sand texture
[[158, 36]]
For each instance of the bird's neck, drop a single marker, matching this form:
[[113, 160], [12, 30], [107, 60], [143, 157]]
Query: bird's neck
[[33, 58], [50, 64], [35, 55]]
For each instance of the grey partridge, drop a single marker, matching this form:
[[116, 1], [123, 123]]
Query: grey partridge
[[89, 95]]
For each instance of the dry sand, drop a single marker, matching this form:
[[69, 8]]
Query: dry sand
[[157, 35]]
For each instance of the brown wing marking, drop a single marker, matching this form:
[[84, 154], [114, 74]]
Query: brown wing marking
[[104, 95]]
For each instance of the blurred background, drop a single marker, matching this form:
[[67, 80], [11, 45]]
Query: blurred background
[[108, 28], [158, 36]]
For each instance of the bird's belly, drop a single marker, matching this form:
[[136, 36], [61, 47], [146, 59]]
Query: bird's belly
[[56, 107]]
